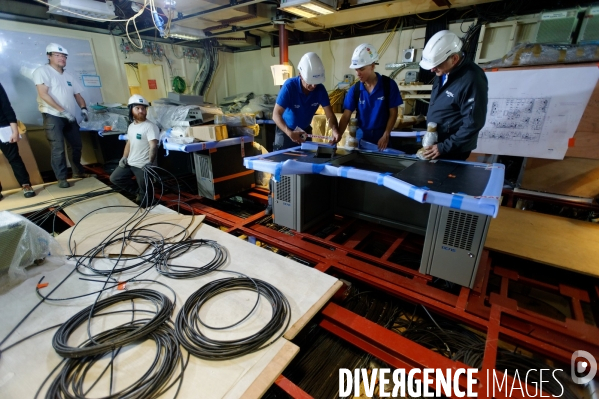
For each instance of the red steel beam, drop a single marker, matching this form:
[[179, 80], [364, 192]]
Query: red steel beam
[[291, 389]]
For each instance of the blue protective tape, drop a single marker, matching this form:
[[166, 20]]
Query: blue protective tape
[[278, 169], [381, 177], [412, 192], [456, 201], [250, 164], [317, 168], [344, 170]]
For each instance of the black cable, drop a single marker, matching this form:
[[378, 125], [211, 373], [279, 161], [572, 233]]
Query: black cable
[[164, 309], [187, 324], [166, 370], [171, 251]]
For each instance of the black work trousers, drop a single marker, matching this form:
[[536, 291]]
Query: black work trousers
[[11, 152]]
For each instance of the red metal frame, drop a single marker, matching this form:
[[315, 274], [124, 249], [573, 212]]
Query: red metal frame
[[495, 314]]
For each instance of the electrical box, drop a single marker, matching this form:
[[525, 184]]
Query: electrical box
[[408, 55], [411, 76], [453, 244], [589, 31], [556, 27], [300, 201], [220, 172]]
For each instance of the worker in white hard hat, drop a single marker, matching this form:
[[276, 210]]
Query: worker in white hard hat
[[59, 100], [298, 101], [139, 154], [458, 101], [375, 99]]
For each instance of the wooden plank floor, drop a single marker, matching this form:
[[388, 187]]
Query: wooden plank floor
[[552, 240]]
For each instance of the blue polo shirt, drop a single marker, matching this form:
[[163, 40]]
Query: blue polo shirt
[[373, 114], [300, 108]]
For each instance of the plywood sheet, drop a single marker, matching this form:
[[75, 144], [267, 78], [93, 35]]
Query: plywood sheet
[[7, 176], [552, 240], [98, 228], [585, 143], [24, 367], [16, 203], [572, 176]]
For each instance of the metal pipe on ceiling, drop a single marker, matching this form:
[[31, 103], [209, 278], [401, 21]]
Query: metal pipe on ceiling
[[283, 45]]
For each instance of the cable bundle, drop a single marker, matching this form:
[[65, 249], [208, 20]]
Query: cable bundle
[[170, 251], [118, 336], [73, 378], [198, 344]]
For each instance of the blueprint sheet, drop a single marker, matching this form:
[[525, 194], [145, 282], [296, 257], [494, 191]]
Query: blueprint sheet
[[533, 113]]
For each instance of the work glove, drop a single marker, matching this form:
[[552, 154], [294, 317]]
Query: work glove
[[68, 115], [123, 162], [84, 114]]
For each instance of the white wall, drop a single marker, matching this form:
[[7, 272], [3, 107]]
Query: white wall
[[246, 71], [250, 71], [110, 61]]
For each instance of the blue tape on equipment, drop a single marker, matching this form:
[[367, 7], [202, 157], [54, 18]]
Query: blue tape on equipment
[[344, 170], [412, 192], [418, 138], [381, 177], [250, 164], [278, 169], [317, 168], [456, 201]]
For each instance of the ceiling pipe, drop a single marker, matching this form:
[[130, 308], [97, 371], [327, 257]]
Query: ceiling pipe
[[283, 46]]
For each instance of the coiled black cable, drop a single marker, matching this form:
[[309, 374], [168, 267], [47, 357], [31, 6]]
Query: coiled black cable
[[174, 250], [164, 310], [198, 344], [163, 372]]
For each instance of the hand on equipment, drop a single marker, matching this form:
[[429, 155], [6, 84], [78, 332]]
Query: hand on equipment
[[123, 162], [68, 115], [84, 114], [431, 152], [298, 135], [383, 142]]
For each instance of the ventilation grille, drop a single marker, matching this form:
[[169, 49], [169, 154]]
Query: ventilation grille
[[204, 167], [459, 230], [284, 189]]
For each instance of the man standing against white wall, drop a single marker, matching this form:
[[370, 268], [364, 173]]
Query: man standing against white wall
[[59, 100]]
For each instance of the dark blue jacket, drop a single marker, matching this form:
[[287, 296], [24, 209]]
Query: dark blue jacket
[[459, 108]]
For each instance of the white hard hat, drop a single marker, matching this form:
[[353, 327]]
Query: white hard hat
[[439, 47], [56, 48], [311, 69], [364, 54], [136, 99]]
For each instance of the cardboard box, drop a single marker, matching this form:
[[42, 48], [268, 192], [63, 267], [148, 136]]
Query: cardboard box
[[208, 132]]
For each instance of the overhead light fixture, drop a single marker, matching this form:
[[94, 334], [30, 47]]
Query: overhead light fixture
[[185, 33], [84, 9], [309, 8]]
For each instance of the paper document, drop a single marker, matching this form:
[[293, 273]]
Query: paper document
[[533, 113], [5, 134]]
